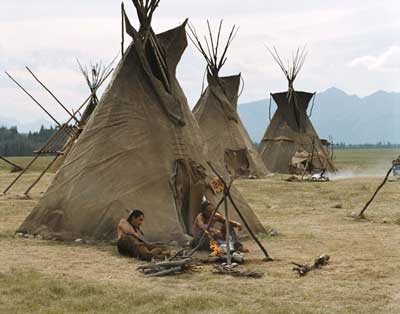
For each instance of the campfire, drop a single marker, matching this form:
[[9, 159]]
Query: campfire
[[215, 249]]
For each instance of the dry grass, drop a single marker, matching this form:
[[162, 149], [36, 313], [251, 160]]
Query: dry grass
[[311, 218]]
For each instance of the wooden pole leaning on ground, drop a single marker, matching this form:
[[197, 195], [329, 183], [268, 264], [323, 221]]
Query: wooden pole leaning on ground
[[361, 214], [41, 175], [41, 150], [11, 163], [228, 195]]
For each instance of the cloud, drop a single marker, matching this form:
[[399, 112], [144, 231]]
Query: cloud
[[49, 35], [387, 61]]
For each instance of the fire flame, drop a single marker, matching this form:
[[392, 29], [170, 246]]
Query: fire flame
[[215, 249]]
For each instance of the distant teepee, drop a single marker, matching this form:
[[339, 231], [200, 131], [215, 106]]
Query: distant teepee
[[228, 142], [141, 148], [290, 140]]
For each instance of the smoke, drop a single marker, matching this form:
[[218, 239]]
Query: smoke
[[376, 171]]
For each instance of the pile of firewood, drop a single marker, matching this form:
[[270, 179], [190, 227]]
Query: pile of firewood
[[158, 269]]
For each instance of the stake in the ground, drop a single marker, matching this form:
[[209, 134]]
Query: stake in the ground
[[361, 214]]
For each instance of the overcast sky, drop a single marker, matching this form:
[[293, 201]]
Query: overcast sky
[[353, 45]]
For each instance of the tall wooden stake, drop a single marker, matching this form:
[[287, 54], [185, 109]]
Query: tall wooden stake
[[228, 231], [376, 192]]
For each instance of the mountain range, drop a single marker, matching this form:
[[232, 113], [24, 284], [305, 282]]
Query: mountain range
[[347, 118]]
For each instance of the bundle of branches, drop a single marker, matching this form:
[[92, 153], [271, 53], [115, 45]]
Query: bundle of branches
[[94, 77], [302, 270], [215, 60], [293, 68], [226, 270], [158, 269]]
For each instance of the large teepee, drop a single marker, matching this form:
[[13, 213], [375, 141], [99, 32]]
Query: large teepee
[[141, 148], [228, 142], [290, 139]]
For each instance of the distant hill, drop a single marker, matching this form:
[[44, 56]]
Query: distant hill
[[348, 118]]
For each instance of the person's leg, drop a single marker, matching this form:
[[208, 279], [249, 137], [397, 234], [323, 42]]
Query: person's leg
[[126, 246], [205, 241], [142, 252]]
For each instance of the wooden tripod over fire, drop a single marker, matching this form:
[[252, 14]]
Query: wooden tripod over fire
[[225, 199]]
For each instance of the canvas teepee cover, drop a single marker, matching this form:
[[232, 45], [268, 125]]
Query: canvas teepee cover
[[141, 148], [290, 138], [228, 142]]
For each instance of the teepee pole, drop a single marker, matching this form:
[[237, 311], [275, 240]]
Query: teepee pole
[[21, 173], [30, 96], [41, 175], [123, 29], [51, 94], [11, 163]]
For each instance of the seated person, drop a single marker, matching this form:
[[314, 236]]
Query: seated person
[[130, 239], [201, 223]]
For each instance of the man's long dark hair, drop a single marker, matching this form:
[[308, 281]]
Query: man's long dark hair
[[136, 213]]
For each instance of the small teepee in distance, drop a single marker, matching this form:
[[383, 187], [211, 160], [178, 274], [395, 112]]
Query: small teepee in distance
[[228, 142], [141, 148], [290, 139]]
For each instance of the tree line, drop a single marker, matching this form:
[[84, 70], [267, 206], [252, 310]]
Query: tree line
[[13, 143], [379, 145]]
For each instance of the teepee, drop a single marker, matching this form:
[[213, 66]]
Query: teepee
[[290, 142], [228, 142], [141, 148]]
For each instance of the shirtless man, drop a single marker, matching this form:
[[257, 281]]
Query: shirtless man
[[201, 224], [130, 238]]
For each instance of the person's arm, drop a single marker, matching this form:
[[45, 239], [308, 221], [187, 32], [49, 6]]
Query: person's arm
[[234, 223], [127, 229], [200, 222]]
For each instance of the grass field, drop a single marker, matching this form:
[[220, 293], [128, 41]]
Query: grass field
[[311, 219]]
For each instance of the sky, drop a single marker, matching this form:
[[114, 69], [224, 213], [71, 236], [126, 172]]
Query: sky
[[353, 45]]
